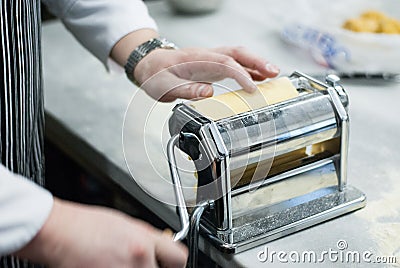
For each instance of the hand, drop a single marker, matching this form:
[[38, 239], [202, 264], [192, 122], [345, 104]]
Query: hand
[[190, 71], [84, 236]]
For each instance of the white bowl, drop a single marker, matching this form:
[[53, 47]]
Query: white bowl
[[194, 6]]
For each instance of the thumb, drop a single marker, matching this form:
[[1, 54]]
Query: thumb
[[169, 253], [193, 90], [167, 87]]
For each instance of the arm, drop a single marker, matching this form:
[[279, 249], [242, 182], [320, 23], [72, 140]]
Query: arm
[[77, 235], [112, 29], [24, 207], [99, 24], [65, 234]]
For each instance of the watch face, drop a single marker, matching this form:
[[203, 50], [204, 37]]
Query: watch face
[[168, 44]]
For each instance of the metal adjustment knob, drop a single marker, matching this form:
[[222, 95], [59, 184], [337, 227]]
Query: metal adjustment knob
[[332, 80]]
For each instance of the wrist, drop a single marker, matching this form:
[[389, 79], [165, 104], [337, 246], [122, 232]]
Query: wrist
[[41, 248], [142, 51], [124, 47]]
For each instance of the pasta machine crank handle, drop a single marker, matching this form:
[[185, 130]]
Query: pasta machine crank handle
[[183, 214]]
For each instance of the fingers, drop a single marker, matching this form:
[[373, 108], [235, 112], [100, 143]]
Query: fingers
[[163, 252], [143, 251], [256, 75], [250, 61], [143, 256], [167, 87], [193, 91], [209, 66], [169, 253]]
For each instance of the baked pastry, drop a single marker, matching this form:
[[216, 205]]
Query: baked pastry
[[373, 21]]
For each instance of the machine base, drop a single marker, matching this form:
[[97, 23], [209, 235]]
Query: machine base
[[289, 219]]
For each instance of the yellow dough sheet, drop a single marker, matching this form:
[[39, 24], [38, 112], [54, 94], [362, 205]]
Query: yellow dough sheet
[[236, 102]]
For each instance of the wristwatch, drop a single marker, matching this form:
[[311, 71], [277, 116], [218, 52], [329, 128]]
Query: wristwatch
[[141, 51]]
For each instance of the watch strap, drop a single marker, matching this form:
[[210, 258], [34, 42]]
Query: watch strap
[[141, 51]]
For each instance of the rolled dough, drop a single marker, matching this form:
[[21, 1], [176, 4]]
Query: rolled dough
[[236, 102]]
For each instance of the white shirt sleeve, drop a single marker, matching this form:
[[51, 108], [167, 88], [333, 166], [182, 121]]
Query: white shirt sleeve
[[99, 24], [24, 208]]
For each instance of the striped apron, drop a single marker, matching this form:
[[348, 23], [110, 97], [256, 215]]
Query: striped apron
[[21, 103]]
